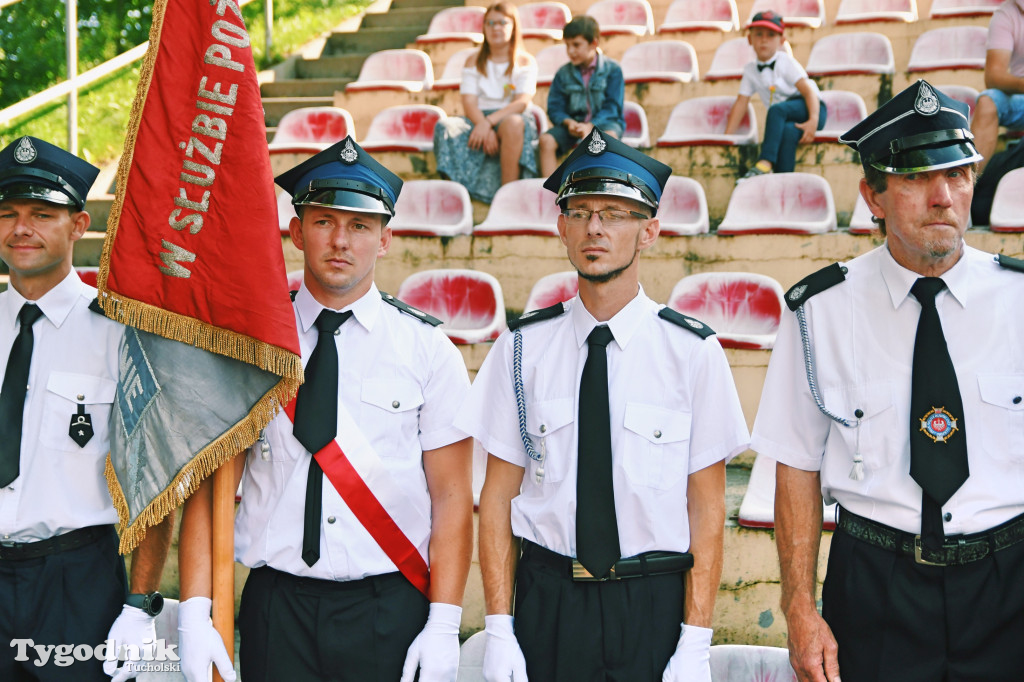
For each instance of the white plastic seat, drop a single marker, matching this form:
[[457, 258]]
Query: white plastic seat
[[701, 121], [543, 19], [551, 289], [295, 279], [665, 61], [521, 207], [435, 208], [810, 13], [861, 11], [701, 15], [471, 658], [454, 24], [311, 129], [851, 53], [743, 308], [402, 70], [780, 203], [451, 77], [860, 220], [683, 209], [730, 58], [948, 9], [844, 109], [637, 134], [962, 93], [1007, 213], [758, 509], [403, 128], [539, 117], [469, 302], [750, 663], [623, 17], [549, 60], [950, 47], [285, 211]]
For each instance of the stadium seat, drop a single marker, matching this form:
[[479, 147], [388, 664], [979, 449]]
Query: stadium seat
[[451, 77], [471, 658], [743, 308], [758, 507], [469, 302], [861, 11], [454, 24], [295, 279], [701, 120], [809, 13], [660, 61], [750, 663], [552, 289], [403, 128], [543, 19], [88, 274], [285, 212], [521, 207], [860, 221], [845, 110], [538, 116], [700, 15], [948, 9], [637, 133], [780, 203], [730, 58], [311, 129], [549, 60], [951, 47], [842, 54], [683, 209], [402, 70], [623, 17], [1008, 203], [962, 93], [432, 208]]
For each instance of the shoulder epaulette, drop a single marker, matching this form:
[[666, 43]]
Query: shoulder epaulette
[[686, 322], [293, 293], [94, 305], [1010, 263], [409, 310], [548, 313], [815, 283]]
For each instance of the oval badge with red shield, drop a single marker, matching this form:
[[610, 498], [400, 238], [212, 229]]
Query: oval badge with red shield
[[938, 424]]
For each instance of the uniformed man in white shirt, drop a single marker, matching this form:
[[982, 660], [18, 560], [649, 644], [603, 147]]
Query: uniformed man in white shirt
[[608, 421], [895, 389], [339, 544], [62, 581]]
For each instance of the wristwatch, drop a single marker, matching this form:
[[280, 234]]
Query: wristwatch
[[152, 603]]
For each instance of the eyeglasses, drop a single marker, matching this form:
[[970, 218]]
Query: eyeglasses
[[491, 23], [609, 217]]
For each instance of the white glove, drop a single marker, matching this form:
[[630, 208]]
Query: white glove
[[692, 660], [435, 651], [133, 627], [199, 644], [503, 659]]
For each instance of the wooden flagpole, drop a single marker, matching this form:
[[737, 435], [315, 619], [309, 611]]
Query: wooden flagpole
[[224, 558]]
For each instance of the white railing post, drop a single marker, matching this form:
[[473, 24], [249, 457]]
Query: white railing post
[[268, 22], [71, 38]]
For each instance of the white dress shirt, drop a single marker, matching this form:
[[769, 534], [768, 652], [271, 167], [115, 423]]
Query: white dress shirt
[[402, 381], [862, 332], [674, 411], [784, 76], [61, 485]]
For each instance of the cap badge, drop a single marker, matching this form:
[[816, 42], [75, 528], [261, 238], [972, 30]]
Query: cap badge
[[349, 154], [938, 424], [597, 144], [797, 293], [927, 103], [25, 152]]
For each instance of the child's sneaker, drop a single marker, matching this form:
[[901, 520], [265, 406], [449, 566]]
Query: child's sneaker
[[759, 168]]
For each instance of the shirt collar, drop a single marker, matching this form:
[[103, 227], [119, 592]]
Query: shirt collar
[[366, 310], [623, 325], [56, 303], [589, 68], [899, 280]]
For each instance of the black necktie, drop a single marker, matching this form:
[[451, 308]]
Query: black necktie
[[316, 421], [597, 533], [769, 65], [12, 394], [938, 433]]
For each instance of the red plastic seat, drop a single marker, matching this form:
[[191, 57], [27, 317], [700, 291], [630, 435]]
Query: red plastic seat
[[780, 203], [951, 47], [637, 133], [521, 207], [743, 308], [469, 302], [810, 13], [845, 109], [750, 663], [948, 9], [701, 121], [623, 17], [455, 24], [683, 209], [311, 129], [543, 19], [701, 15], [861, 11], [550, 289], [88, 274], [549, 60], [962, 93], [730, 58], [758, 510], [433, 208], [402, 70], [860, 221], [1007, 213], [404, 128], [451, 77], [842, 54], [664, 61]]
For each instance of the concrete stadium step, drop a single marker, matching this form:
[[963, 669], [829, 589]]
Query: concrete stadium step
[[331, 66], [400, 18], [304, 87], [371, 39], [276, 107]]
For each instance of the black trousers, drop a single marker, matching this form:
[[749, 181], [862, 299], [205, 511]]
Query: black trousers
[[303, 629], [900, 621], [614, 631], [68, 598]]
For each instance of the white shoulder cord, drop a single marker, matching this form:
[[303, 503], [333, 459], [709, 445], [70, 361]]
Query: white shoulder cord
[[517, 385]]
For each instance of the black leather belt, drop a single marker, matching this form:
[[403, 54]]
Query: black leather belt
[[19, 551], [956, 550], [646, 564]]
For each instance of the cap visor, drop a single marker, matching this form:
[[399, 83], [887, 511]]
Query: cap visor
[[344, 200], [39, 192], [928, 159], [599, 186]]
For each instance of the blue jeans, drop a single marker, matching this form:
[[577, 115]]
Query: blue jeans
[[781, 136], [1009, 107]]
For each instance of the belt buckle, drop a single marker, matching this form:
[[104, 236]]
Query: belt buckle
[[581, 574], [917, 554]]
